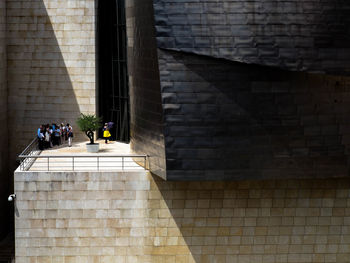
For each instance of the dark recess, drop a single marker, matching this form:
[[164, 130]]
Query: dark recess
[[112, 83]]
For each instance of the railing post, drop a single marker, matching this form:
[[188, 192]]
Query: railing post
[[27, 160]]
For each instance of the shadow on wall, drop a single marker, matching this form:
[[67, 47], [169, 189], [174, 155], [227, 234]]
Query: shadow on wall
[[332, 28], [254, 122], [40, 83], [259, 221], [4, 176]]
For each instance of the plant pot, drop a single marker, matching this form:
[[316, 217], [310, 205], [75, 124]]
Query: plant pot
[[93, 148]]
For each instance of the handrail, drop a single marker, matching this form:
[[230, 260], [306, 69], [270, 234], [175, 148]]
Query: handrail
[[27, 160], [75, 163], [31, 154], [82, 155], [35, 140], [30, 150]]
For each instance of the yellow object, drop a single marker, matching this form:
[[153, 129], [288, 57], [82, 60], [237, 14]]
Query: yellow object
[[106, 134]]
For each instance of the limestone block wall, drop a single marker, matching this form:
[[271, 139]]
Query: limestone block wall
[[51, 64], [4, 177], [135, 217]]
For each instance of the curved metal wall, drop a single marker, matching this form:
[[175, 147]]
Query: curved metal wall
[[232, 121], [205, 114], [305, 35], [146, 114]]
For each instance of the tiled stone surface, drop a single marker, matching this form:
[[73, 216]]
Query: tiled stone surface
[[228, 120], [146, 114], [135, 217], [4, 175], [51, 64], [302, 35]]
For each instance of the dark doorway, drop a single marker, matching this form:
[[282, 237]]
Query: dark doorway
[[112, 75]]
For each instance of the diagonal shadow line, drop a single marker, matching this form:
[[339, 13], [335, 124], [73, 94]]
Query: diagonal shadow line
[[46, 70], [234, 221]]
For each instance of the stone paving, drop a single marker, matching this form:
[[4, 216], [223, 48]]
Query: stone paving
[[109, 158]]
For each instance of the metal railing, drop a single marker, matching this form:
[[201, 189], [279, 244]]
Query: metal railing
[[32, 159], [83, 162], [31, 150]]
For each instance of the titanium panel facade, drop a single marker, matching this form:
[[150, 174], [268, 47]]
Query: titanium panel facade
[[146, 113], [306, 35], [227, 120], [250, 90]]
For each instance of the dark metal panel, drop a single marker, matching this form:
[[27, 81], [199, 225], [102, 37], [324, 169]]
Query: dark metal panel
[[304, 35], [147, 133], [232, 121]]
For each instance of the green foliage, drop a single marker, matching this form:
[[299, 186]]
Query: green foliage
[[89, 123]]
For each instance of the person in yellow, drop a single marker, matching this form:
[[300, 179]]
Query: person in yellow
[[106, 133]]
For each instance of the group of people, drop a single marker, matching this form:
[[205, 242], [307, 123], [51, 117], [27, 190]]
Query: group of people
[[51, 135]]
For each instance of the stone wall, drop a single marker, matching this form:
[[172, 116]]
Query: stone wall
[[135, 217], [306, 35], [146, 114], [51, 65], [227, 120], [4, 175]]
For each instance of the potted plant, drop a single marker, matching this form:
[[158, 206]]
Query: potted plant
[[88, 123]]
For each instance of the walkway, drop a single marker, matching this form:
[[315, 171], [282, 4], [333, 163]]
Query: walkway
[[76, 158]]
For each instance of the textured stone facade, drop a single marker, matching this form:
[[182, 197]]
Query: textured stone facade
[[307, 35], [4, 175], [134, 217], [51, 64], [147, 135]]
